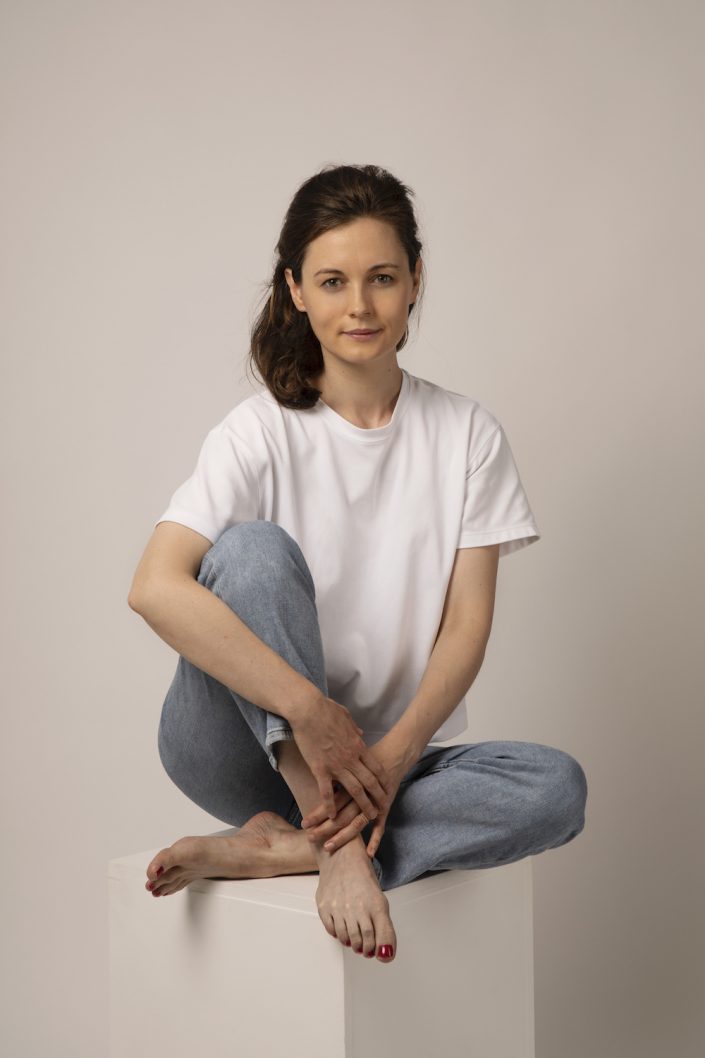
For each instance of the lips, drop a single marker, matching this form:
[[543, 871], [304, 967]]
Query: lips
[[361, 332]]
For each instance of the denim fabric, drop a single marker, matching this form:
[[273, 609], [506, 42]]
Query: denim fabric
[[459, 807]]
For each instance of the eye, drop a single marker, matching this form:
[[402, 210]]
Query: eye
[[381, 275]]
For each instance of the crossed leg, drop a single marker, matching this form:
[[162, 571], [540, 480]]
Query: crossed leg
[[460, 807]]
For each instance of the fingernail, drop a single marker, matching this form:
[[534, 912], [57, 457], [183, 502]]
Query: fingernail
[[328, 845], [386, 951]]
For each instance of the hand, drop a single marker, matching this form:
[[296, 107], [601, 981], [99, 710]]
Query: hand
[[349, 821], [330, 742]]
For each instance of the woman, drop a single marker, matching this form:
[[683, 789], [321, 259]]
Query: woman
[[327, 575]]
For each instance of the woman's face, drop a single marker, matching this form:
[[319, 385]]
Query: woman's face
[[356, 277]]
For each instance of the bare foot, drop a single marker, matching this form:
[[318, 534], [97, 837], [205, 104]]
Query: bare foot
[[264, 847], [351, 905]]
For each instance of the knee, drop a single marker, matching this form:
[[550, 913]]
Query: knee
[[260, 552], [247, 545], [565, 794], [249, 539]]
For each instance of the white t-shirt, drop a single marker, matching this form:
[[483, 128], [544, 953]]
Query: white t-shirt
[[378, 514]]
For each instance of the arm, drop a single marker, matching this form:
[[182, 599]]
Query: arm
[[455, 661], [203, 628], [457, 654]]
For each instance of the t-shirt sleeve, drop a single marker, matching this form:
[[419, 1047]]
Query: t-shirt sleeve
[[496, 509], [223, 489]]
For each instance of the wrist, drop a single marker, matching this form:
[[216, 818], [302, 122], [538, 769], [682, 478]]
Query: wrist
[[402, 749], [304, 697]]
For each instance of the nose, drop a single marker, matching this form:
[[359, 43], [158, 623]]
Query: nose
[[358, 304]]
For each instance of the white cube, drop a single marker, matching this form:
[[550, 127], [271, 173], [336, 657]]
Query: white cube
[[245, 968]]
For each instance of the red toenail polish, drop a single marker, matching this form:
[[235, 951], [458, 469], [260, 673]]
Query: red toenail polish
[[347, 943], [369, 954], [160, 871], [150, 886], [358, 950], [386, 951]]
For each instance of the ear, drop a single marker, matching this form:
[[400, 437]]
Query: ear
[[294, 290]]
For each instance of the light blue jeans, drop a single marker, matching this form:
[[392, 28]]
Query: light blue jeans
[[459, 807]]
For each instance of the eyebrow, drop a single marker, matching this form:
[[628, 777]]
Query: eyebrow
[[337, 271]]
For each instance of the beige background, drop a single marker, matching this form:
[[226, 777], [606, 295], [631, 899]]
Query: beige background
[[556, 150]]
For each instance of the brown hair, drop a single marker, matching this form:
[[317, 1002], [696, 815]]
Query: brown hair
[[283, 347]]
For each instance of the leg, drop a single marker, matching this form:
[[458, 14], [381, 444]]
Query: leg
[[223, 752], [473, 806], [349, 898], [216, 746]]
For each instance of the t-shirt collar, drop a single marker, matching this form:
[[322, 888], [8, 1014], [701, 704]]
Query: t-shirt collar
[[360, 433]]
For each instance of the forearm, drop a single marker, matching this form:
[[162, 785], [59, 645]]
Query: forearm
[[455, 661], [202, 628]]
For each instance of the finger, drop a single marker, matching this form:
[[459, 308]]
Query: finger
[[376, 836], [372, 761], [332, 826], [325, 787], [347, 833], [359, 794], [319, 814], [372, 785], [315, 816]]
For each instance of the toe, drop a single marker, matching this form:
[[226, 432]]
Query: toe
[[170, 887], [367, 932], [385, 938], [328, 922], [165, 878], [341, 931], [159, 865], [354, 935]]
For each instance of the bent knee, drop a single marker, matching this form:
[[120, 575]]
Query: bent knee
[[259, 550], [565, 793], [253, 537]]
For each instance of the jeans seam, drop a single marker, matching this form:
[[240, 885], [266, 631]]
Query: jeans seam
[[438, 767]]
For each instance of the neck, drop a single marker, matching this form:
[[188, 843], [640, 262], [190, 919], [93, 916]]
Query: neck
[[363, 398]]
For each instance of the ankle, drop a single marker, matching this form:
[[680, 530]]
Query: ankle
[[354, 849], [292, 853]]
